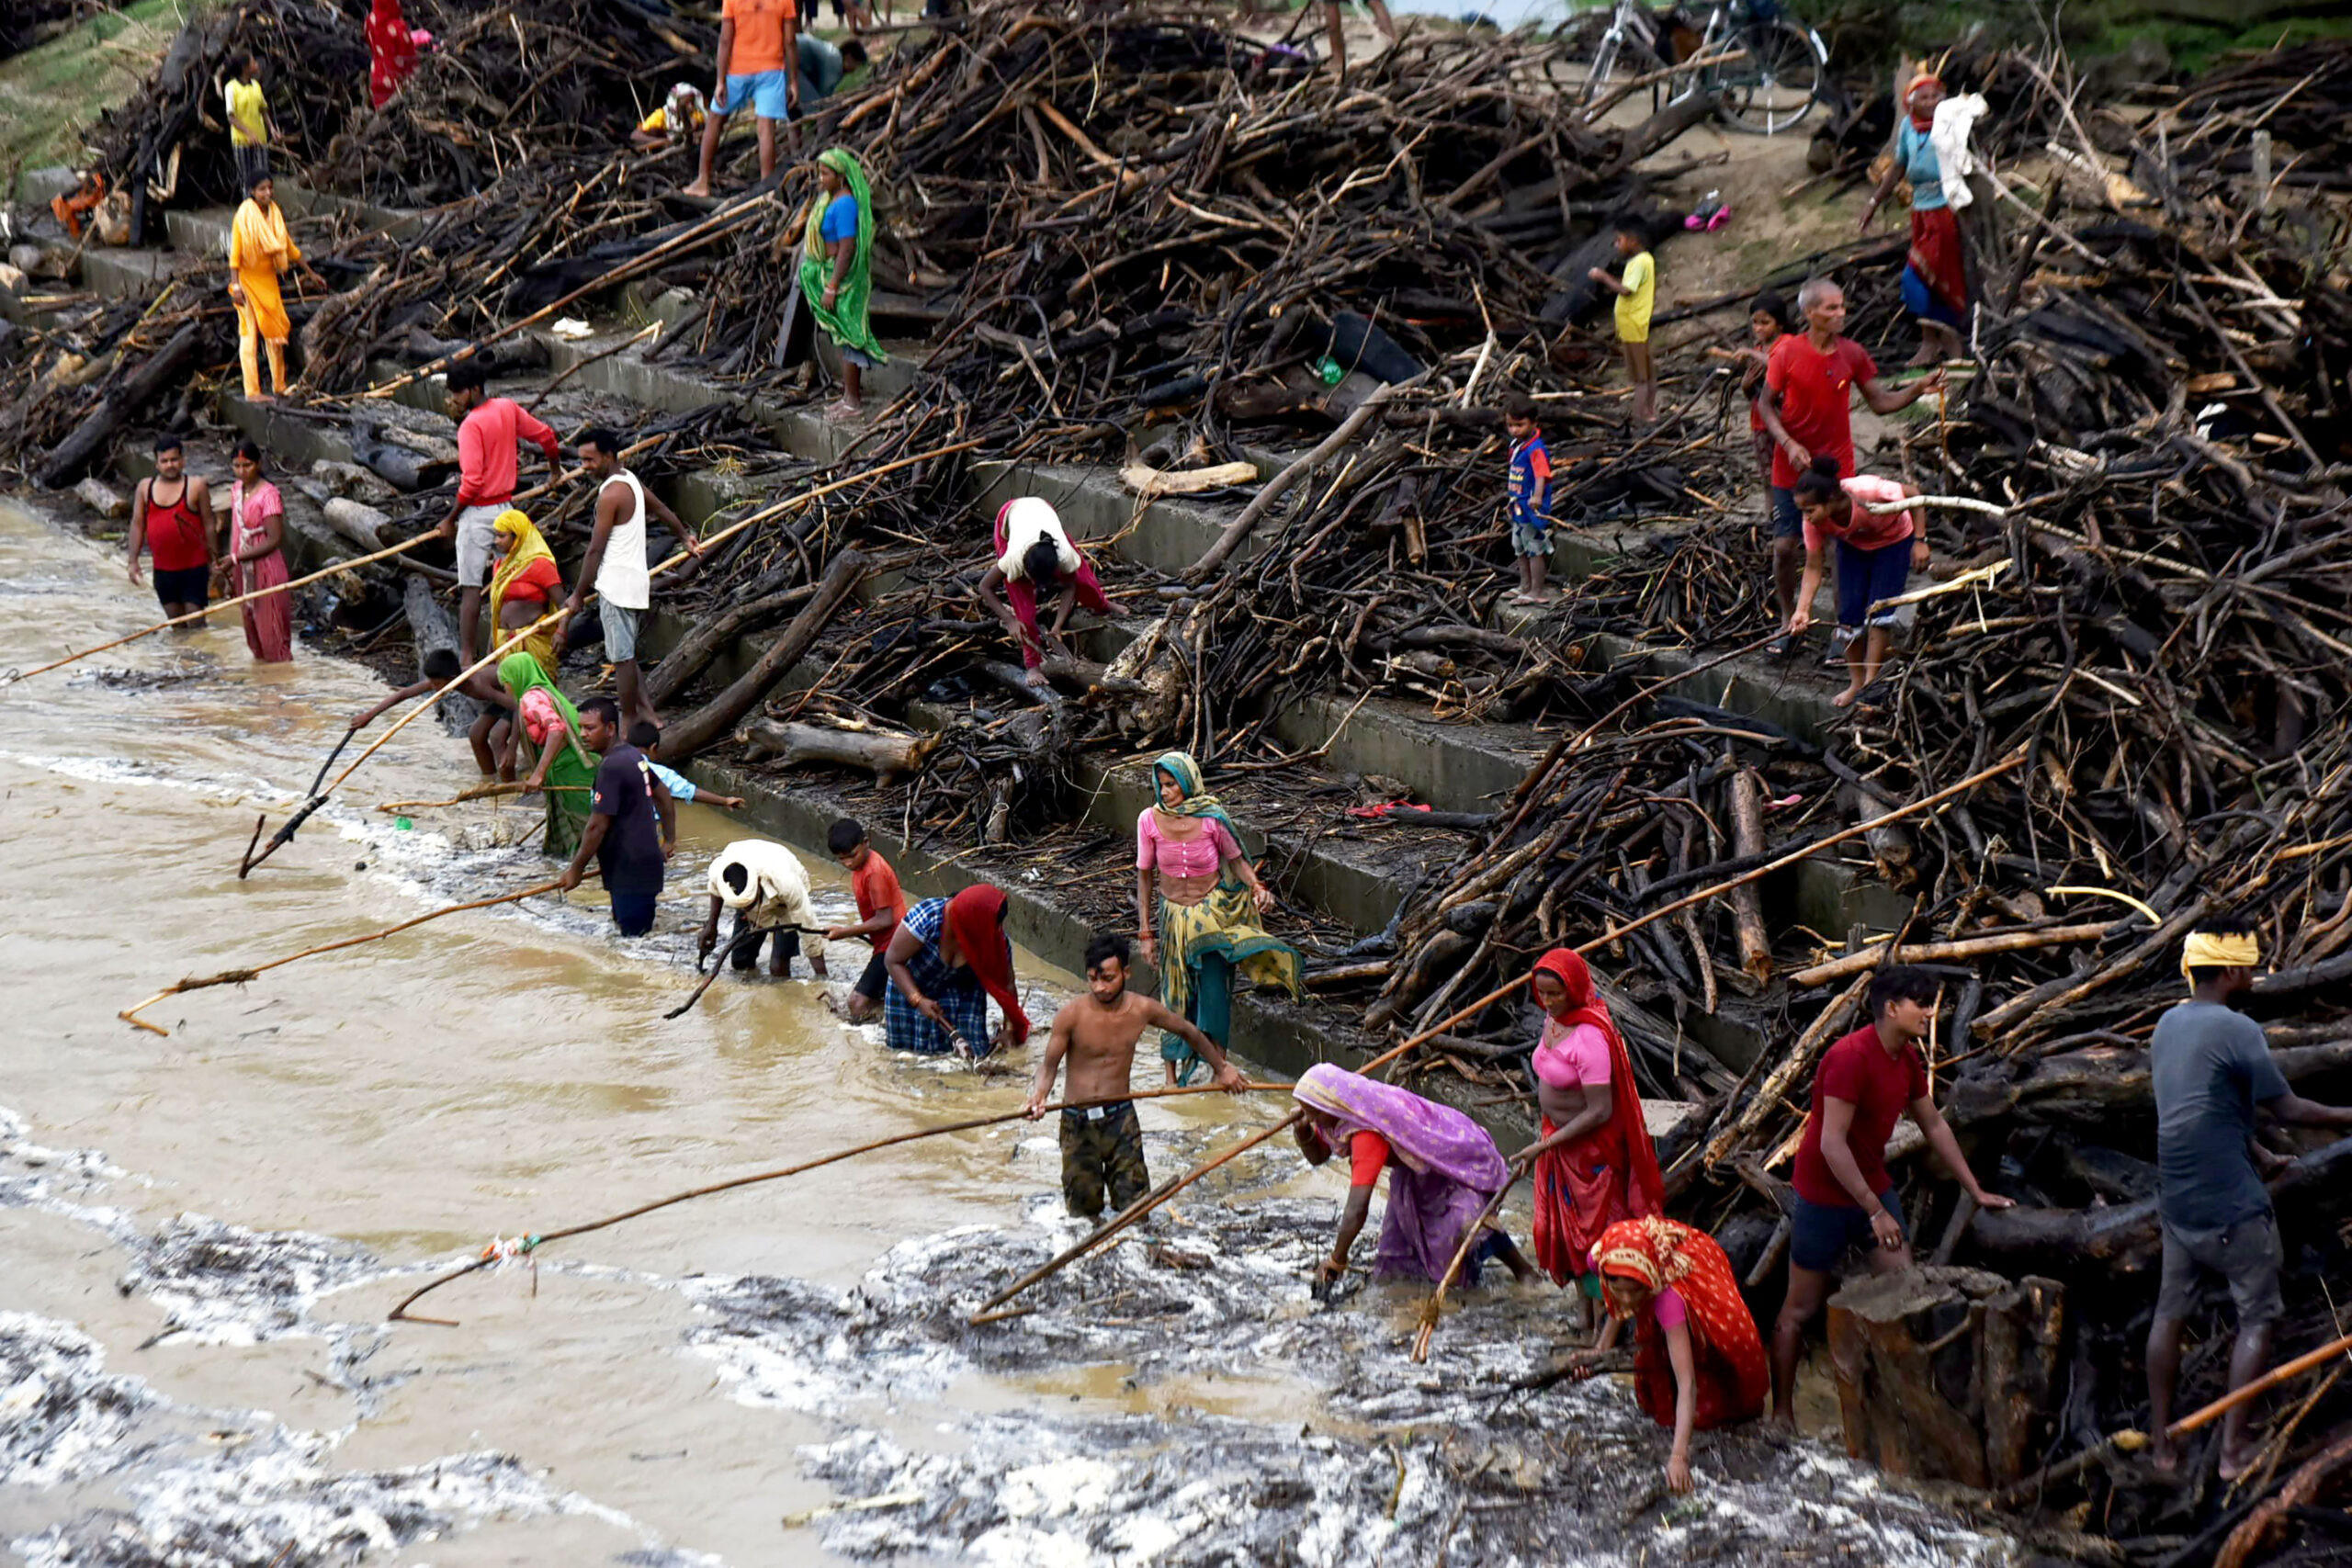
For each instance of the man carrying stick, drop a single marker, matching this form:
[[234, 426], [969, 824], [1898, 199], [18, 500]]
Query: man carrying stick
[[1102, 1146], [2210, 1067], [1845, 1196], [487, 429]]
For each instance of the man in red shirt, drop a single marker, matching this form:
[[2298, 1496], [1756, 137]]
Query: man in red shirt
[[177, 532], [487, 429], [1845, 1196], [1806, 406], [880, 907]]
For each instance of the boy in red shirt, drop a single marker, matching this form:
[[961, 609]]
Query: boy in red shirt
[[1806, 405], [880, 907], [1845, 1197]]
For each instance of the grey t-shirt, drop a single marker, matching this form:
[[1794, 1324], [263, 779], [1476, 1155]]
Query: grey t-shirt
[[2210, 1067]]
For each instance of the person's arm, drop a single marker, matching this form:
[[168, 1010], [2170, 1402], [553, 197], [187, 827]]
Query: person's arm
[[1800, 616], [1146, 878], [791, 60], [1539, 497], [592, 839], [558, 735], [1607, 279], [671, 521], [1918, 531], [414, 689], [1882, 401], [1057, 1047], [1352, 1219], [1239, 864], [1768, 404], [665, 810], [199, 498], [1885, 188], [2294, 1111], [1686, 1404], [845, 254], [472, 450], [995, 603], [608, 517], [1593, 1108], [904, 945], [537, 431], [726, 58], [882, 921], [1838, 1153], [707, 938], [1228, 1076], [138, 526], [1064, 605], [1311, 1144], [1947, 1149]]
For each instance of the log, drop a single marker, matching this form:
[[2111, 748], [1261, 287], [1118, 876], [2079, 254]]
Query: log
[[887, 754], [1947, 1374], [1237, 533], [167, 367], [1747, 904], [431, 627], [405, 469], [1878, 953], [681, 666], [361, 523], [718, 717]]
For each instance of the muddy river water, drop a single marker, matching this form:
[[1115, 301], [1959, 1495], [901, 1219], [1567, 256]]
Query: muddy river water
[[200, 1234]]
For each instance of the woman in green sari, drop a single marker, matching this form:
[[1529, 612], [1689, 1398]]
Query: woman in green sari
[[547, 741], [837, 270], [1191, 871]]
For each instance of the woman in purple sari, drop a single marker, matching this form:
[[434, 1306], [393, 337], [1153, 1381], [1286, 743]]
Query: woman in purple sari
[[1441, 1169]]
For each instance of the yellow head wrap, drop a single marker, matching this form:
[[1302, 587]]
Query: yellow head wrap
[[2204, 950], [528, 545]]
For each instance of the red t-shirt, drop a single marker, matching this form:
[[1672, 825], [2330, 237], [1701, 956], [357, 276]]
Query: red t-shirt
[[876, 886], [1367, 1157], [1816, 389], [1880, 1086]]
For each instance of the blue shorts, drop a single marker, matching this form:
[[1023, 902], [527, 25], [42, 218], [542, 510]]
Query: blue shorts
[[1819, 1233], [770, 99], [1787, 522], [633, 912], [1864, 577]]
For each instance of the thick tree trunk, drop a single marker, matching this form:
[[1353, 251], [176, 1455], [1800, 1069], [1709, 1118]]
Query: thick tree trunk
[[1746, 903], [361, 523], [886, 753], [681, 666], [1947, 1374], [718, 717]]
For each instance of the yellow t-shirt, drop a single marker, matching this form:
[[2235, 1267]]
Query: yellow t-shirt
[[248, 111], [1634, 306]]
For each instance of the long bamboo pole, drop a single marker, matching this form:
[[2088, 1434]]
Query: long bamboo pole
[[12, 678], [533, 1242], [239, 977]]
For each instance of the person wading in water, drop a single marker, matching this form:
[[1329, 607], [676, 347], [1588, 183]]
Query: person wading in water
[[171, 518]]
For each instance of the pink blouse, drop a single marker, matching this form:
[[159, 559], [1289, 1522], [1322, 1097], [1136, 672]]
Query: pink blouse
[[541, 717], [1573, 1057], [1198, 856]]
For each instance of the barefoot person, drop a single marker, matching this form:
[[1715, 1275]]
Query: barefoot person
[[616, 563], [1034, 557], [837, 271], [881, 905], [260, 250], [1877, 553], [1698, 1362], [756, 49], [546, 738], [767, 887], [488, 430], [1208, 904], [2210, 1069], [1935, 273], [1102, 1144], [1845, 1197], [1441, 1166], [1637, 294], [257, 558], [1530, 498], [1594, 1163], [1808, 385], [171, 519], [1768, 323], [947, 960]]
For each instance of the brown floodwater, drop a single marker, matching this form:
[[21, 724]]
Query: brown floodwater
[[200, 1234]]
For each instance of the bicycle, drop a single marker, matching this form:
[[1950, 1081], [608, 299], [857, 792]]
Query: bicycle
[[1782, 67]]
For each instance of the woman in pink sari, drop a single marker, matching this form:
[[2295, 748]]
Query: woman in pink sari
[[256, 535], [1441, 1169]]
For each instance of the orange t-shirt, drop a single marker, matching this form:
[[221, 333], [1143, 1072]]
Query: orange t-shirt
[[876, 886], [759, 33]]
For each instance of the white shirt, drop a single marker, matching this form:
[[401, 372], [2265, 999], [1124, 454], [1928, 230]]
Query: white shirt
[[775, 889], [622, 578]]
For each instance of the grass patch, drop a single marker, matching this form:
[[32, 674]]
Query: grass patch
[[51, 96]]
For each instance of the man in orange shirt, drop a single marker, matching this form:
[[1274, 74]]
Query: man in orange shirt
[[759, 46]]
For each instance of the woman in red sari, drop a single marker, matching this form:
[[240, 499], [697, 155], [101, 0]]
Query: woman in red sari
[[392, 50], [1594, 1164], [1698, 1361]]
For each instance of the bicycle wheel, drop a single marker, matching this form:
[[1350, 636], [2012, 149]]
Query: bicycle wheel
[[1775, 86]]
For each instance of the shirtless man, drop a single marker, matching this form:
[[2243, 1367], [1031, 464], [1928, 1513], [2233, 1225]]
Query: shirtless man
[[1103, 1146]]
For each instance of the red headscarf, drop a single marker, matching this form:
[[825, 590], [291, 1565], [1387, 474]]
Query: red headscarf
[[1644, 1185], [1920, 121], [391, 51], [976, 916]]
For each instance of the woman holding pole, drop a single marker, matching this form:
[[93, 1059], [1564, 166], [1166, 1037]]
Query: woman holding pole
[[546, 738], [256, 558]]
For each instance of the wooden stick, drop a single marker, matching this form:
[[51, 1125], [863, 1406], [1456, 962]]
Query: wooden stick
[[1879, 952], [532, 1243], [14, 677], [479, 792], [2131, 1439], [239, 977]]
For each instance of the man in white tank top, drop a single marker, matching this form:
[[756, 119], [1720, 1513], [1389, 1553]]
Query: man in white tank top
[[616, 564]]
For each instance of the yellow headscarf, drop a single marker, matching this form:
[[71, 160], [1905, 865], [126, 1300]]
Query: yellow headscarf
[[528, 545], [2205, 950]]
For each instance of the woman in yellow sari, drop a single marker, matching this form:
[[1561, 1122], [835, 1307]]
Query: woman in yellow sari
[[522, 588], [259, 250]]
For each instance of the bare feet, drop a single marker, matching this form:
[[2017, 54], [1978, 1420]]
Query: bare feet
[[2163, 1458], [1925, 357], [2236, 1461], [699, 188], [845, 410], [1845, 699]]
